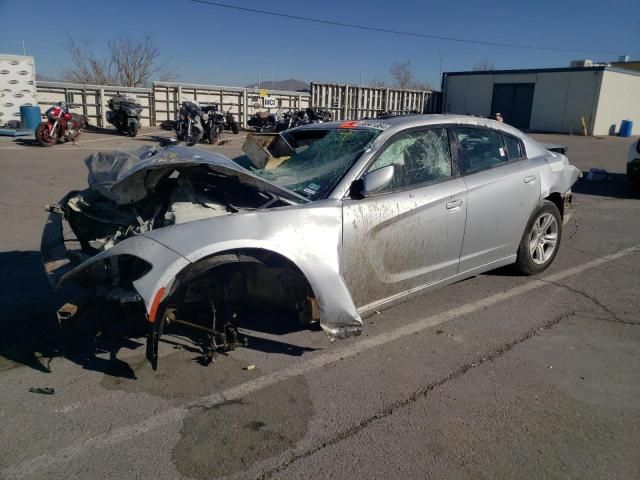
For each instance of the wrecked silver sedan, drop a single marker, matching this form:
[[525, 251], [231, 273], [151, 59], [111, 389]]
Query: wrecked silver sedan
[[332, 220]]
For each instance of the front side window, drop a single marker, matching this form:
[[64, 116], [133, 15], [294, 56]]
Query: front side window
[[479, 149], [419, 156]]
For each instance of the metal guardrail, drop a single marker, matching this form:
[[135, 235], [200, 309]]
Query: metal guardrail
[[348, 102], [91, 100], [168, 96], [162, 102]]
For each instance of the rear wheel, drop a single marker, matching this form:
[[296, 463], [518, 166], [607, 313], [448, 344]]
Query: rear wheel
[[234, 127], [133, 129], [44, 136], [541, 240]]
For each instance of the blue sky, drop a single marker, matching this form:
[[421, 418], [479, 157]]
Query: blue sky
[[219, 46]]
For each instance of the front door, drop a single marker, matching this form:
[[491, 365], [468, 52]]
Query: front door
[[514, 102], [409, 234]]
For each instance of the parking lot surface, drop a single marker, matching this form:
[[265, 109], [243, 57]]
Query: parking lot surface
[[498, 376]]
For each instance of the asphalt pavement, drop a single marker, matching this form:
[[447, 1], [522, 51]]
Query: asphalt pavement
[[498, 376]]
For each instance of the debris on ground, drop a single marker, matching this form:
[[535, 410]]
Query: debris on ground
[[249, 367], [42, 390]]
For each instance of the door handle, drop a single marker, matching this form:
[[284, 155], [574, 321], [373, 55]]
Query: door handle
[[530, 179], [454, 205]]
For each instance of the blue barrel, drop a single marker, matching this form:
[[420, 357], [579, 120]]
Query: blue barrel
[[30, 117], [625, 128]]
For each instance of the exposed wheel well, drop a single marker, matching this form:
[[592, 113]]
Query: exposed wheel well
[[252, 276], [558, 200]]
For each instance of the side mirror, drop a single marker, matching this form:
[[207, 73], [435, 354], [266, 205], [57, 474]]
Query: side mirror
[[373, 181]]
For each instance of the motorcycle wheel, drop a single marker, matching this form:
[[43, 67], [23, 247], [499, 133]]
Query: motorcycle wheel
[[195, 137], [133, 129], [214, 135], [43, 136], [234, 127]]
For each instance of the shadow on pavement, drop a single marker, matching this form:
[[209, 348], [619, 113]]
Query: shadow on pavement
[[30, 335], [613, 185]]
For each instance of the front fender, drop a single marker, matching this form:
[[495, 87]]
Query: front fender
[[165, 265], [308, 236]]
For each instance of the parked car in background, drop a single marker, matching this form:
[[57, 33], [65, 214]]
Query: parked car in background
[[355, 216]]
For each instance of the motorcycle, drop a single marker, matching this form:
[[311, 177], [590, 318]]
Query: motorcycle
[[273, 122], [318, 115], [284, 120], [124, 114], [214, 125], [218, 121], [189, 125], [61, 125]]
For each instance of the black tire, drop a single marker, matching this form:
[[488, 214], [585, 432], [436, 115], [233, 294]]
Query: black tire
[[214, 135], [133, 129], [195, 137], [525, 261], [43, 137], [234, 127]]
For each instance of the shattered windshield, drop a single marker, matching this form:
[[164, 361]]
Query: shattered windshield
[[318, 160]]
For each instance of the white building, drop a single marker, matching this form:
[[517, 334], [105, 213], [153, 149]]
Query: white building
[[565, 100], [17, 85]]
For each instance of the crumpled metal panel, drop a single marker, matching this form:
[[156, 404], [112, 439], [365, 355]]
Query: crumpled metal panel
[[127, 176], [165, 265], [309, 236]]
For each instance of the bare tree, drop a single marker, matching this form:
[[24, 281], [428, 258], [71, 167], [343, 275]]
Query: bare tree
[[401, 73], [403, 77], [128, 62], [484, 66]]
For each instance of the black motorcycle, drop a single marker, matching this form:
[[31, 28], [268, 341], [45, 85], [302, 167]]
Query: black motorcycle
[[230, 123], [124, 114], [318, 115], [189, 125], [273, 122], [218, 121], [214, 125]]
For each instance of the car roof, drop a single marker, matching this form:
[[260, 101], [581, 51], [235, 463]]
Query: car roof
[[401, 122]]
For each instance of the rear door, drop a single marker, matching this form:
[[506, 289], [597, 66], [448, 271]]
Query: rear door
[[503, 190], [410, 233]]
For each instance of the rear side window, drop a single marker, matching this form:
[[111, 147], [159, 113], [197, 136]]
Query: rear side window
[[480, 149], [515, 149]]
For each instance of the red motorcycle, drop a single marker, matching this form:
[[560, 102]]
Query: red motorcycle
[[61, 125]]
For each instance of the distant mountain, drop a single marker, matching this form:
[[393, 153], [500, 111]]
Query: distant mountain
[[292, 85]]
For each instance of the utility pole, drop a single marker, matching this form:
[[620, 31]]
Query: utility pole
[[360, 78], [24, 50], [259, 83]]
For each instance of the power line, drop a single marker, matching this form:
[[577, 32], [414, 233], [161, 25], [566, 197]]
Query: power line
[[397, 32]]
